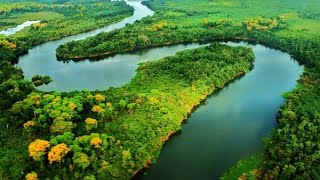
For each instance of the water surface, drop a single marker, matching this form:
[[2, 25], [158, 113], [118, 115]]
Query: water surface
[[20, 27], [92, 75], [228, 127], [231, 124], [86, 75]]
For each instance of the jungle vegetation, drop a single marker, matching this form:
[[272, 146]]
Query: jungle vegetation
[[58, 19], [39, 80], [114, 133], [292, 26]]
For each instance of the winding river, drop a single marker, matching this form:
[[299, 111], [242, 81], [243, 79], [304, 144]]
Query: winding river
[[84, 75], [18, 28], [231, 124], [228, 127]]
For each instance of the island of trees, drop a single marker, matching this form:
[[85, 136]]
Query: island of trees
[[114, 133]]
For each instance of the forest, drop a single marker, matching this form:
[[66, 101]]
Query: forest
[[292, 150], [112, 134], [58, 20], [100, 134]]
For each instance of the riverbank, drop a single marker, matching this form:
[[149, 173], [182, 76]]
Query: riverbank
[[20, 27], [286, 157], [156, 101], [293, 32], [55, 25], [114, 71], [244, 169], [231, 124]]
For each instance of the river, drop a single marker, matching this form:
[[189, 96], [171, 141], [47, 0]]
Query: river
[[18, 28], [69, 76], [229, 126]]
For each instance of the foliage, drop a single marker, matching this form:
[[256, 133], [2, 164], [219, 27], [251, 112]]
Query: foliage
[[40, 80], [38, 148], [134, 120], [244, 169], [292, 27], [58, 19], [32, 176], [13, 86], [57, 153], [114, 133]]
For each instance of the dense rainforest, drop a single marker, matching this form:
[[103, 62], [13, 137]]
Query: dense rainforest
[[60, 19], [114, 133], [293, 148]]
